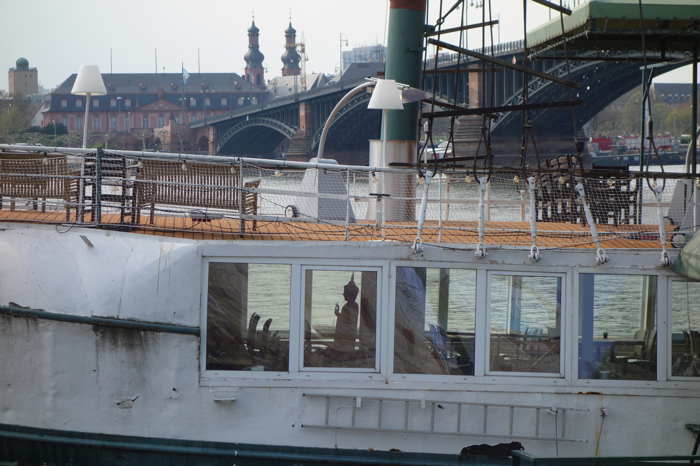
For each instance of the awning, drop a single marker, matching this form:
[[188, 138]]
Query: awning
[[614, 25]]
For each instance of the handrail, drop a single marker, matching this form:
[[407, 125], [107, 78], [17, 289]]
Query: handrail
[[100, 321]]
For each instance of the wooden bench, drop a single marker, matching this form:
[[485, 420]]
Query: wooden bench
[[203, 185], [16, 180]]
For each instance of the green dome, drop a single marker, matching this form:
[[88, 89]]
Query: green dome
[[22, 63]]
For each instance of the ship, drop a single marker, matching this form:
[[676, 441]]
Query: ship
[[172, 308]]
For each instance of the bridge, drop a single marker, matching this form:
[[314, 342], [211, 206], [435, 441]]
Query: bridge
[[599, 48]]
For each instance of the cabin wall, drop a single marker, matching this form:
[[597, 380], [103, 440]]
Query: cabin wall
[[80, 377]]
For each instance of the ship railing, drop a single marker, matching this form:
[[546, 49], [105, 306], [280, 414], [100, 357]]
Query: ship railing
[[226, 197]]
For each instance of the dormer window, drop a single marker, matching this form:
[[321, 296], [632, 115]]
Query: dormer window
[[207, 101], [79, 103], [224, 101], [95, 103], [64, 103], [127, 103]]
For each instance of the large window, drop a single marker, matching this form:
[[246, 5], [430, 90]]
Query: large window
[[248, 317], [434, 321], [340, 319], [685, 329], [617, 328], [524, 314]]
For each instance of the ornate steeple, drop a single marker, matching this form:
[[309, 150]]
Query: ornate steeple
[[290, 57], [254, 71]]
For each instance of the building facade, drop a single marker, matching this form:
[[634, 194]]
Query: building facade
[[672, 93], [367, 54], [22, 80], [145, 101]]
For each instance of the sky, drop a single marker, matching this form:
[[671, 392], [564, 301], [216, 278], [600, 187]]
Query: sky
[[58, 36]]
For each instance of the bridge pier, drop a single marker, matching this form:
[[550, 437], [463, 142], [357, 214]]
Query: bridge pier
[[212, 140]]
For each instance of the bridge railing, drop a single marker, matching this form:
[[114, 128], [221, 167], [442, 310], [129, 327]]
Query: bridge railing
[[232, 197]]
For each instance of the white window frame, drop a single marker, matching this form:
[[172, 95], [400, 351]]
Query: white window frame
[[351, 255], [564, 310], [204, 318], [478, 352], [296, 325], [662, 329], [669, 343], [378, 329]]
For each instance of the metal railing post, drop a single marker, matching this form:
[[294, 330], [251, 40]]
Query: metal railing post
[[534, 250], [97, 195], [241, 196], [80, 211], [480, 251], [347, 205], [601, 256], [440, 210]]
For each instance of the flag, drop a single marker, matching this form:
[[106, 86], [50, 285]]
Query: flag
[[185, 75]]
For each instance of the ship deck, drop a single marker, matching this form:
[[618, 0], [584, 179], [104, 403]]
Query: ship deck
[[501, 233]]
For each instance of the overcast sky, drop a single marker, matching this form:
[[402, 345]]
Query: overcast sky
[[58, 36]]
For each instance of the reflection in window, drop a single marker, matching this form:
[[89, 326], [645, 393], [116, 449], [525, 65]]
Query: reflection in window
[[248, 317], [340, 310], [617, 330], [525, 323], [685, 329], [434, 332]]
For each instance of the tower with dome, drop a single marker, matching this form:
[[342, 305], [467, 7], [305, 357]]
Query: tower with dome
[[22, 80]]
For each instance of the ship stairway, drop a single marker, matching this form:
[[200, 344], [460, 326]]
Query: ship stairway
[[439, 417]]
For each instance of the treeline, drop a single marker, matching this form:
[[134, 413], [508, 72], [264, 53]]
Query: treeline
[[623, 117]]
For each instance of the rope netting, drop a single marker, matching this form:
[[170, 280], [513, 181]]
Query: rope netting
[[239, 198]]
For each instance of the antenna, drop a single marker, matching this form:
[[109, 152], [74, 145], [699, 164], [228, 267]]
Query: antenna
[[156, 59], [343, 40], [110, 61], [304, 58]]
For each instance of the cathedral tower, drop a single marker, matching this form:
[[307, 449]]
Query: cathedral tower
[[254, 71], [291, 57]]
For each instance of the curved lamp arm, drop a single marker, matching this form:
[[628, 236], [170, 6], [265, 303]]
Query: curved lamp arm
[[331, 118]]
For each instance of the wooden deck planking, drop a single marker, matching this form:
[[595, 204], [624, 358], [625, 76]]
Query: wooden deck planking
[[550, 235]]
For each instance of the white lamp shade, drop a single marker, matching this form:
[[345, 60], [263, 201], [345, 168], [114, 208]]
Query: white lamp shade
[[89, 81], [386, 96]]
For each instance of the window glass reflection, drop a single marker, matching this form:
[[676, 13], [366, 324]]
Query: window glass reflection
[[685, 329], [525, 323], [248, 317], [340, 309], [617, 330], [434, 330]]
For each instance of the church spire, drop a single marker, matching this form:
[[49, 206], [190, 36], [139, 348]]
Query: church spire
[[290, 58], [254, 71]]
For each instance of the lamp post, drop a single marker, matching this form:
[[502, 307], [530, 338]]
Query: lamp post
[[88, 83], [386, 96]]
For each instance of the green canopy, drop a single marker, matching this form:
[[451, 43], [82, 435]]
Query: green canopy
[[671, 25]]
